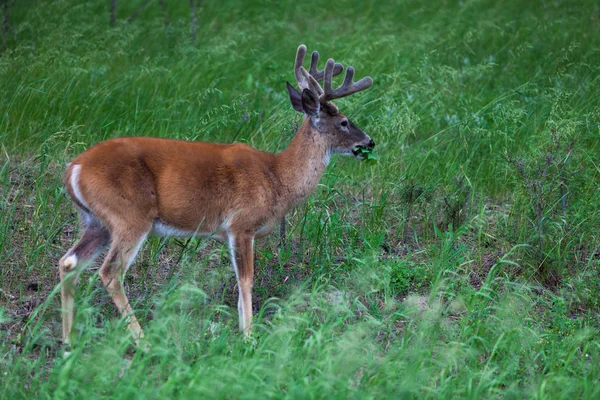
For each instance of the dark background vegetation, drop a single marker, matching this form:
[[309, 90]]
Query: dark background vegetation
[[464, 263]]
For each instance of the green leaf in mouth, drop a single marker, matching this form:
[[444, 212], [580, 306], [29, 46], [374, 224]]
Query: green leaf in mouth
[[366, 153]]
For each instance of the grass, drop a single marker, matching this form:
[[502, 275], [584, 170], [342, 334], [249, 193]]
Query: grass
[[464, 263]]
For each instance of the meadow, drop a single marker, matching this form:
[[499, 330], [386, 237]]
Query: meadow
[[464, 263]]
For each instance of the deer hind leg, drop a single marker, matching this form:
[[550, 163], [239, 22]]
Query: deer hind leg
[[121, 255], [95, 238], [242, 258]]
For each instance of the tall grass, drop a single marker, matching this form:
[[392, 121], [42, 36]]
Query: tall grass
[[465, 263]]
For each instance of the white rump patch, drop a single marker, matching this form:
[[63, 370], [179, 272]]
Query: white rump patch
[[75, 184]]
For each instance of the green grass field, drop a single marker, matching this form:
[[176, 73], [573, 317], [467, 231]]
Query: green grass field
[[465, 263]]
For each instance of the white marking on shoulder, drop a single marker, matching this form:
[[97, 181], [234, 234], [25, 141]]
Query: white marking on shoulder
[[75, 184], [70, 262], [226, 224], [228, 221]]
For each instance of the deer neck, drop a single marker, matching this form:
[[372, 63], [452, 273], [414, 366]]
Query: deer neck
[[302, 164]]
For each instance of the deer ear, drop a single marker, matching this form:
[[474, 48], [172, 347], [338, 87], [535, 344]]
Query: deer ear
[[295, 97], [310, 103]]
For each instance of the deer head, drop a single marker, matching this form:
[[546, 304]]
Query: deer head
[[340, 134]]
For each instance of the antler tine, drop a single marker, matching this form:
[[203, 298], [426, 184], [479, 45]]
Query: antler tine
[[328, 78], [312, 82], [302, 83], [319, 75], [347, 88]]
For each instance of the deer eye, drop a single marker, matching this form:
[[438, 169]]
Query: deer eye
[[345, 123]]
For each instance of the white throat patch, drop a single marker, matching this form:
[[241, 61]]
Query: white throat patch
[[327, 157]]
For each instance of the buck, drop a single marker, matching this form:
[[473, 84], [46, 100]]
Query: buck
[[128, 188]]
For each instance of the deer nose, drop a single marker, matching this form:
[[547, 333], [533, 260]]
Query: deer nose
[[371, 144]]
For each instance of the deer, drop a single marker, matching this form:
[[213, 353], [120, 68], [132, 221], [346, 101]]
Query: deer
[[125, 189]]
